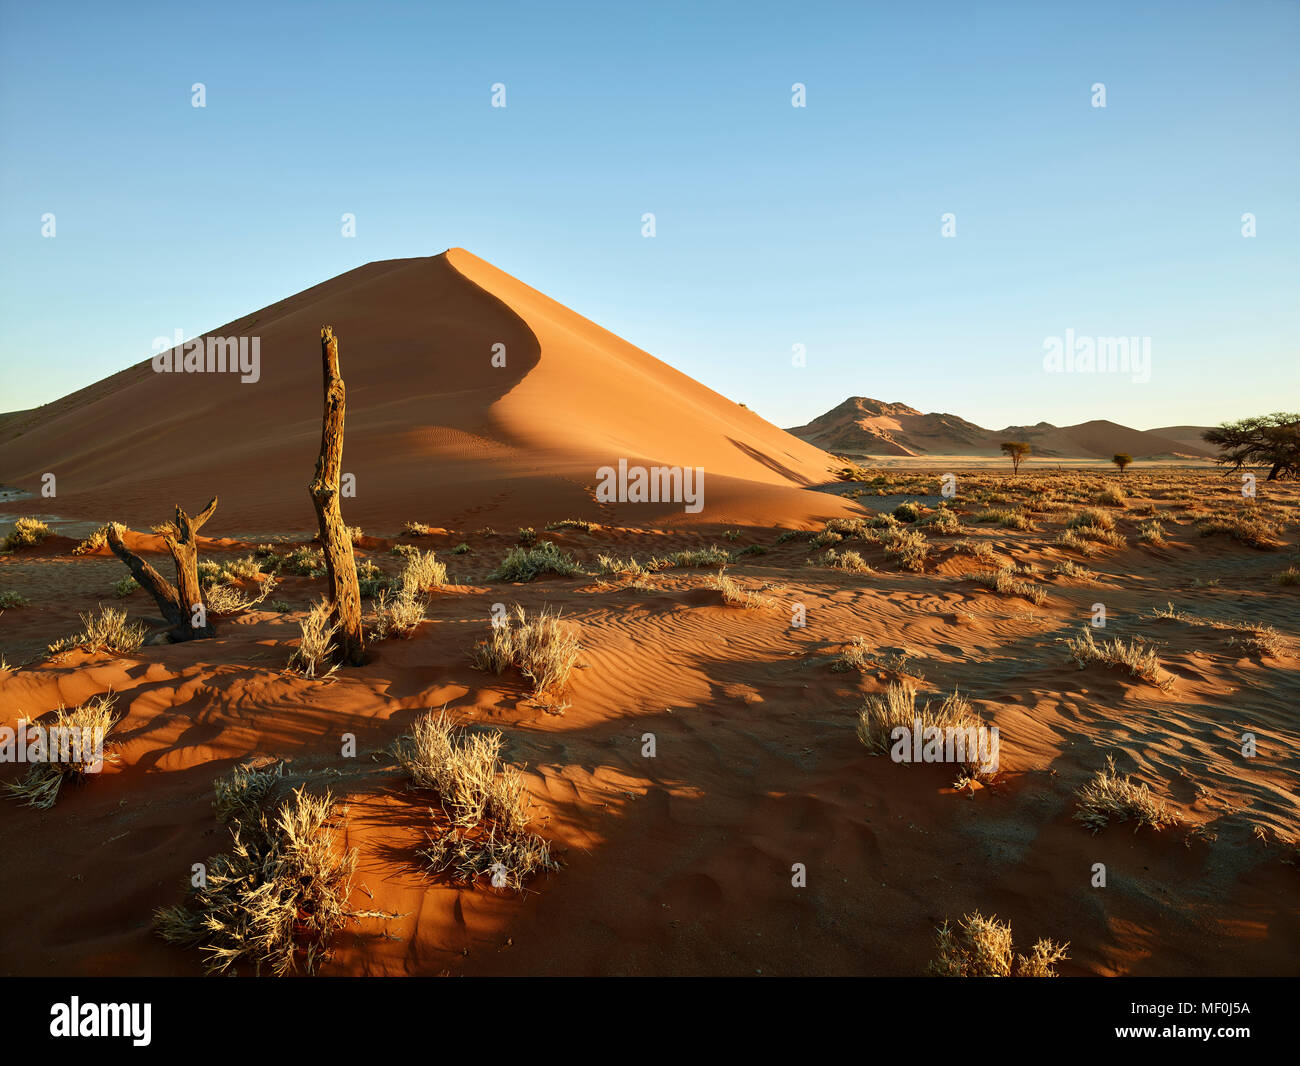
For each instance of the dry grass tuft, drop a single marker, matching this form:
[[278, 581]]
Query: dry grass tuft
[[1111, 795], [907, 548], [981, 947], [897, 709], [735, 596], [106, 631], [227, 598], [1005, 583], [545, 650], [483, 800], [26, 533], [1138, 659], [524, 564], [423, 573], [279, 896], [98, 539], [1248, 526], [78, 748], [312, 657], [849, 562]]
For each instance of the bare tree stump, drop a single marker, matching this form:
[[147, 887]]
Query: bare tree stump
[[179, 602], [341, 564]]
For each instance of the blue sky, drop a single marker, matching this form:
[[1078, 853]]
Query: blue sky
[[775, 225]]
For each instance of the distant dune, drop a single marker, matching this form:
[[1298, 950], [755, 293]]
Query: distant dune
[[435, 432], [864, 427]]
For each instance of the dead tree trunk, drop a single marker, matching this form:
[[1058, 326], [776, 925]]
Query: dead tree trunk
[[345, 593], [178, 603]]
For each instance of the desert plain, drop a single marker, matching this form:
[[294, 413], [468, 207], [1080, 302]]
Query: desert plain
[[698, 769]]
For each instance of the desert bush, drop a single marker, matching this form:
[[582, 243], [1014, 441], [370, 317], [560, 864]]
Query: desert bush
[[881, 715], [98, 539], [907, 548], [423, 573], [527, 536], [1091, 518], [312, 656], [279, 896], [1111, 496], [416, 529], [371, 580], [607, 565], [396, 614], [840, 527], [106, 631], [856, 656], [1090, 524], [941, 521], [907, 511], [460, 549], [1005, 583], [981, 947], [572, 523], [1289, 576], [1112, 795], [545, 650], [483, 799], [735, 596], [524, 564], [13, 599], [124, 588], [227, 598], [979, 549], [1152, 532], [1247, 527], [305, 561], [850, 562], [1140, 660], [248, 568], [26, 533], [1069, 568], [826, 537], [713, 556], [84, 746]]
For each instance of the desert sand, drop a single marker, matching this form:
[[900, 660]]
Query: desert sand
[[680, 863]]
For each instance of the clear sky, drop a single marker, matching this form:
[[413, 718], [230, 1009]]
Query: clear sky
[[775, 225]]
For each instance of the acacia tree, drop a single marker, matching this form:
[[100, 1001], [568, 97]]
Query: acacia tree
[[1265, 440], [181, 604], [1121, 460], [340, 562], [1017, 449]]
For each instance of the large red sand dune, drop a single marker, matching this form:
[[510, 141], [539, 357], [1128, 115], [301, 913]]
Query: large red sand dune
[[435, 432]]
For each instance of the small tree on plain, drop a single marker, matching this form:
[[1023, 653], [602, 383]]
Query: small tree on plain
[[1121, 460], [1266, 440], [1017, 449]]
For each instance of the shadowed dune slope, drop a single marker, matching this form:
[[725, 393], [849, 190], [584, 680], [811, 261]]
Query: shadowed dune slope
[[435, 432]]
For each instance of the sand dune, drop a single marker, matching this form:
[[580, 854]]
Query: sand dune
[[862, 426], [435, 431]]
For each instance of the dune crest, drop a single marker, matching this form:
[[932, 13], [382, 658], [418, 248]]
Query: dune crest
[[473, 398]]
